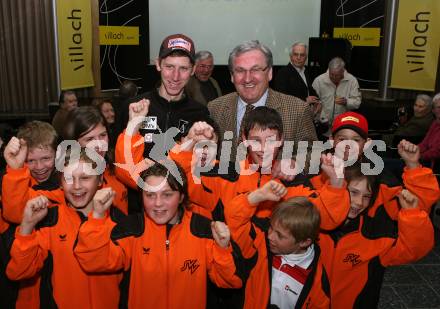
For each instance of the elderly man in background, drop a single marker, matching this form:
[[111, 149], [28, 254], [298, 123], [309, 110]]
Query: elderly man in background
[[338, 91], [68, 102], [250, 65], [417, 126], [294, 78], [202, 87]]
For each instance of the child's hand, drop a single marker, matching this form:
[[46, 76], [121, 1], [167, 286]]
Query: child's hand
[[407, 200], [410, 153], [333, 166], [271, 191], [199, 131], [34, 211], [16, 152], [220, 233], [102, 201]]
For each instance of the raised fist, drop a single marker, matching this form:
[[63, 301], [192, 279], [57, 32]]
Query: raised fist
[[102, 201], [34, 211], [270, 191], [16, 152], [139, 108], [333, 167], [407, 200], [409, 152], [220, 233]]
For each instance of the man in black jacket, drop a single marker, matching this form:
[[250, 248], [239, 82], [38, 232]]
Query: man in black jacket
[[169, 104], [294, 78]]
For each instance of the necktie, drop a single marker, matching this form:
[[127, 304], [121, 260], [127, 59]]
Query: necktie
[[249, 108]]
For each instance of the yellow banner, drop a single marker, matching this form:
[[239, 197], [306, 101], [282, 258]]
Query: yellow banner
[[416, 48], [75, 43], [359, 36], [118, 35]]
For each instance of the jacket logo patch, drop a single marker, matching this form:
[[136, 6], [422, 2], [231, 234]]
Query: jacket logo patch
[[353, 258], [150, 123], [190, 265], [183, 124], [63, 237], [145, 250]]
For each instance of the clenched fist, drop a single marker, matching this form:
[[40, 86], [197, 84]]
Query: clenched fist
[[102, 201], [220, 233], [15, 152], [34, 211], [271, 191]]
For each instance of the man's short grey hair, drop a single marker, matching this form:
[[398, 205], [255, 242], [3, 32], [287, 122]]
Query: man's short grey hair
[[249, 46], [295, 45], [436, 98], [203, 55], [425, 98], [336, 64]]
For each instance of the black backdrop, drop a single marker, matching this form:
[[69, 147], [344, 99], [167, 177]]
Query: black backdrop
[[119, 63]]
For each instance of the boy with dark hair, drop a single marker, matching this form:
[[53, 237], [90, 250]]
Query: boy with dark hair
[[262, 134], [285, 245]]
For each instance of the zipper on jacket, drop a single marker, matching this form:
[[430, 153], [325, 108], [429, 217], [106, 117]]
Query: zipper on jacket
[[167, 249]]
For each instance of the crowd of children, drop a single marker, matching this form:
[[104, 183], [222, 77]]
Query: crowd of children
[[151, 219]]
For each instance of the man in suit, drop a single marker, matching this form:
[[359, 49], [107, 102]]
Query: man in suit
[[201, 86], [294, 79], [250, 65]]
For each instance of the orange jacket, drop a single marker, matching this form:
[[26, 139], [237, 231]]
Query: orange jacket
[[8, 288], [168, 265], [356, 254], [49, 250], [129, 147], [250, 233], [215, 191], [19, 186]]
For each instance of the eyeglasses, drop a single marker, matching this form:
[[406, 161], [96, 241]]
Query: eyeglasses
[[254, 71]]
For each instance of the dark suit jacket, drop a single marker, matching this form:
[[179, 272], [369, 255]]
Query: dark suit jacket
[[288, 81], [193, 90], [296, 115]]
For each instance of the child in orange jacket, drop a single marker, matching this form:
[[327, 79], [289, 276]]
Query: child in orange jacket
[[88, 127], [169, 250], [46, 235], [30, 159], [357, 253], [289, 271], [351, 126]]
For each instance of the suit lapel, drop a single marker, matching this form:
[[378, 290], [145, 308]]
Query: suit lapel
[[272, 102]]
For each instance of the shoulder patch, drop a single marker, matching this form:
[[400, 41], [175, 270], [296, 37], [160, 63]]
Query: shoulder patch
[[200, 226], [231, 174], [262, 223], [381, 225], [51, 218], [299, 179], [131, 225], [116, 214], [389, 179]]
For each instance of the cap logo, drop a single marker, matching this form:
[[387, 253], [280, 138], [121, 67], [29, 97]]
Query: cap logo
[[350, 118], [179, 43]]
